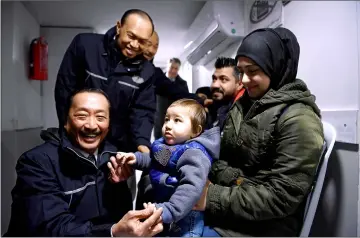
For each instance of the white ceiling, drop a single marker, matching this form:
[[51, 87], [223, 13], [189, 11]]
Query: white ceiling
[[172, 18]]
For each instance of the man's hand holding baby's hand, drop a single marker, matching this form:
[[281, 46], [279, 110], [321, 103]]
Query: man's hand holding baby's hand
[[120, 169], [125, 158], [152, 206], [146, 205]]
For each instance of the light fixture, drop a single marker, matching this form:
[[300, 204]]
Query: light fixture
[[188, 44]]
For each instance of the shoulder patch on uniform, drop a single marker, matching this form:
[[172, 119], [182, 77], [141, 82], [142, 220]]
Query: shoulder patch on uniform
[[137, 62]]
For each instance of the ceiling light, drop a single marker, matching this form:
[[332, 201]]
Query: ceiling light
[[188, 44]]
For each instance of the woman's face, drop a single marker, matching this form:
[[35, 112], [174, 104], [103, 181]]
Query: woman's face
[[255, 81]]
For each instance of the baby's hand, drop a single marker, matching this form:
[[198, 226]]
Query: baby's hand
[[119, 171], [125, 158], [149, 204]]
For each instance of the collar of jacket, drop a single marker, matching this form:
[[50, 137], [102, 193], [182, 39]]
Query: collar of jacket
[[106, 150], [179, 78], [239, 94]]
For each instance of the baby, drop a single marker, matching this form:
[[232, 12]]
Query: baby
[[179, 164]]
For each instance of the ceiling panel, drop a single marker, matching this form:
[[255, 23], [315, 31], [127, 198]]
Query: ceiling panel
[[172, 18]]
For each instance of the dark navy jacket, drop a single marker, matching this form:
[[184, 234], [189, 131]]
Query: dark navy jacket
[[95, 61], [164, 87], [167, 92], [59, 192], [217, 114]]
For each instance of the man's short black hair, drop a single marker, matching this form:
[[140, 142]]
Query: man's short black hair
[[175, 60], [224, 62], [137, 12], [84, 90]]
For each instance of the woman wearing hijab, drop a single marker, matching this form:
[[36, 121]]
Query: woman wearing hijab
[[271, 145]]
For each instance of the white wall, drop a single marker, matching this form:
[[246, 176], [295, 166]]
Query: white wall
[[201, 77], [21, 99], [358, 30], [185, 73], [327, 32], [58, 40], [7, 81]]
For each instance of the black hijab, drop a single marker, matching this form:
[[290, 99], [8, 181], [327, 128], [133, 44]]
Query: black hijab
[[276, 51]]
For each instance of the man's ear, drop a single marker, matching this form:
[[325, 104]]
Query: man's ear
[[239, 85], [66, 123], [118, 27]]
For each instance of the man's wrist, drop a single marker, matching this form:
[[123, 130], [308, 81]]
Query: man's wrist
[[117, 230], [143, 142], [111, 230], [143, 148]]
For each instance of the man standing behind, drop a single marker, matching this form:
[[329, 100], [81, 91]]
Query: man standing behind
[[114, 63], [226, 88], [62, 186], [163, 86], [164, 102]]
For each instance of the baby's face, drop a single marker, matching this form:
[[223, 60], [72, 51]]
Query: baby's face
[[177, 127]]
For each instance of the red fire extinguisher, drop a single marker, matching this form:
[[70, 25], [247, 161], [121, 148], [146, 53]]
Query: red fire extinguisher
[[39, 59]]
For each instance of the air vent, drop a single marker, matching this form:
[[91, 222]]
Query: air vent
[[219, 51], [210, 43]]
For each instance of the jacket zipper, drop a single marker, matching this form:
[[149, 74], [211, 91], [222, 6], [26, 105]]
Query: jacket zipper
[[82, 157], [96, 184], [250, 110], [244, 117], [96, 179], [228, 114]]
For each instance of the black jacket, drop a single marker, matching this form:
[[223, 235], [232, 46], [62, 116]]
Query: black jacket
[[95, 61], [165, 88], [59, 192], [167, 92], [217, 113]]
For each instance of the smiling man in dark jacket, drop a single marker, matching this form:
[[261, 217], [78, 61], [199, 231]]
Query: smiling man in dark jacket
[[114, 63], [62, 186]]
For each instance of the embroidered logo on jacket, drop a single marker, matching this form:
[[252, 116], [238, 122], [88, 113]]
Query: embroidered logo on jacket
[[137, 79]]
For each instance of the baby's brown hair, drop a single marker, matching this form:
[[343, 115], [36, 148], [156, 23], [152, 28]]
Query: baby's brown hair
[[197, 113]]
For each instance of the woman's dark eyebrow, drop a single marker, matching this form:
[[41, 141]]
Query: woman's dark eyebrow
[[247, 66]]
